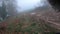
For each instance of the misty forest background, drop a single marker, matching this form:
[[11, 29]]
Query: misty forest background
[[26, 21]]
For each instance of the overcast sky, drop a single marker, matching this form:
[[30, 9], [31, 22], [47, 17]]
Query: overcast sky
[[28, 4]]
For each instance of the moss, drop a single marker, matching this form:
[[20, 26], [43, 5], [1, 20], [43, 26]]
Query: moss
[[33, 24]]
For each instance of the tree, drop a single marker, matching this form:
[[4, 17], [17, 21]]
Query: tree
[[8, 7], [3, 12], [55, 4], [11, 7]]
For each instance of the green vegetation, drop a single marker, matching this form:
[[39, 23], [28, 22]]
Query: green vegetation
[[32, 26]]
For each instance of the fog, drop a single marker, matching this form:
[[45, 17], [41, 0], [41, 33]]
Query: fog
[[28, 4], [14, 7]]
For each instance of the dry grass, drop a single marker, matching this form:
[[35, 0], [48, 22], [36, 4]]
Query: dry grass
[[29, 24]]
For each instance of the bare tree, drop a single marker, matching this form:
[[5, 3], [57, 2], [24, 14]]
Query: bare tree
[[11, 7]]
